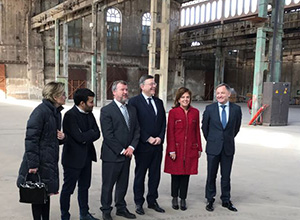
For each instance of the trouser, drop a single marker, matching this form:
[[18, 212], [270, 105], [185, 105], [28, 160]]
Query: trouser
[[179, 185], [41, 211], [151, 162], [213, 162], [114, 174], [71, 177]]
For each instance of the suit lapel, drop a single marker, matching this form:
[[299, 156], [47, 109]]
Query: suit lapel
[[145, 103], [118, 112], [230, 114]]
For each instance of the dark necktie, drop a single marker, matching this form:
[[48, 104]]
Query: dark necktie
[[224, 120], [151, 106]]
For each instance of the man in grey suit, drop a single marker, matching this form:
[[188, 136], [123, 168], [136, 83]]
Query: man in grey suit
[[220, 124], [121, 135]]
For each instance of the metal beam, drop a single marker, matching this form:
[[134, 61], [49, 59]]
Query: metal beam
[[65, 76]]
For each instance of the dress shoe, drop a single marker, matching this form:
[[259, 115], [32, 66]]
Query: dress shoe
[[183, 204], [88, 216], [139, 210], [175, 203], [156, 207], [125, 213], [229, 205], [106, 216], [210, 206]]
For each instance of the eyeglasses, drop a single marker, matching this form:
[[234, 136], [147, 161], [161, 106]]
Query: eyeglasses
[[151, 84]]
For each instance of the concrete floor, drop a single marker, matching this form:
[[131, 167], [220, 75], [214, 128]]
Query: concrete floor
[[265, 176]]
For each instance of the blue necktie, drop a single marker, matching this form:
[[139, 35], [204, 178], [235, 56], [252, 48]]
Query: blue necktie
[[224, 120]]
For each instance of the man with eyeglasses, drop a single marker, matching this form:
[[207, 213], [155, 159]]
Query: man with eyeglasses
[[148, 154]]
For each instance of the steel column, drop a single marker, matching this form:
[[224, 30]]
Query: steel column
[[57, 49], [64, 77], [276, 41], [103, 58], [219, 65], [164, 27], [94, 49]]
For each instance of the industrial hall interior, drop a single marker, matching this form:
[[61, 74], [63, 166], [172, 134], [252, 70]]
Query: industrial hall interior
[[251, 45]]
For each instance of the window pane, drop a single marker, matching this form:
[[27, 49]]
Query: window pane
[[253, 5], [202, 13], [227, 8], [287, 2], [207, 12], [213, 10], [233, 7], [247, 6], [187, 16], [219, 9], [192, 15], [182, 17], [198, 14], [240, 7]]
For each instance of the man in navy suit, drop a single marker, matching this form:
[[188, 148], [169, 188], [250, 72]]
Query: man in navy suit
[[81, 128], [121, 134], [148, 154], [220, 124]]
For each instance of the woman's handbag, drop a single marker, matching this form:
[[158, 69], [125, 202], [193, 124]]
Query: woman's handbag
[[33, 192]]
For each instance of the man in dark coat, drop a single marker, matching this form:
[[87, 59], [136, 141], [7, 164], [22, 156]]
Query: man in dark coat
[[221, 123], [80, 126], [121, 134], [148, 155]]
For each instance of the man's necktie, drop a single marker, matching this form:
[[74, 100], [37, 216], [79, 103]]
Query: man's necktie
[[125, 114], [224, 120], [151, 106]]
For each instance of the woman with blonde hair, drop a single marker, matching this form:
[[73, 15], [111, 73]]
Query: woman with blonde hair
[[183, 146], [43, 137]]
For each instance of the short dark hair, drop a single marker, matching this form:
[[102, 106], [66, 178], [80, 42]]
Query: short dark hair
[[144, 78], [178, 95], [226, 86], [82, 95], [115, 83]]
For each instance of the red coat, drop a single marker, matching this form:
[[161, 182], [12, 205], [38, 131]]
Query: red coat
[[183, 138]]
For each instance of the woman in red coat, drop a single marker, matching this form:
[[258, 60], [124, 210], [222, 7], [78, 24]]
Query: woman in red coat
[[183, 146]]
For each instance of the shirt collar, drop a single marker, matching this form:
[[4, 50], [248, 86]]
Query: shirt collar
[[145, 96], [227, 104], [80, 110], [119, 104]]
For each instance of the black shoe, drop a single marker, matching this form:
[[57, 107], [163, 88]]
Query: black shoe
[[88, 216], [175, 203], [183, 204], [139, 210], [229, 205], [156, 207], [125, 213], [210, 206], [106, 216]]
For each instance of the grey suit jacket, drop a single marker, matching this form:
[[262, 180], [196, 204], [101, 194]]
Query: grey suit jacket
[[217, 137], [116, 135]]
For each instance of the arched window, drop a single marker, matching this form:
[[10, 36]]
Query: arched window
[[113, 18], [146, 22]]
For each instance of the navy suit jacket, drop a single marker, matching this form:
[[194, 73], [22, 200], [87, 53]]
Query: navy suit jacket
[[116, 135], [79, 142], [150, 124], [216, 137]]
